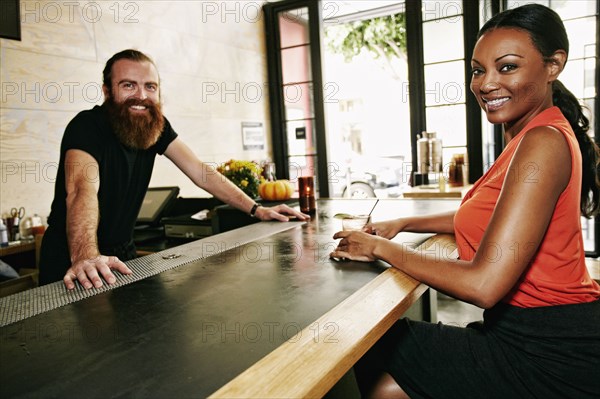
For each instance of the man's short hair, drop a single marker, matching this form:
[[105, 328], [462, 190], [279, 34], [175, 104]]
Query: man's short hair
[[129, 54]]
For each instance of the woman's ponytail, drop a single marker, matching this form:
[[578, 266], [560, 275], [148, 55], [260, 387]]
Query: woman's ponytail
[[573, 112]]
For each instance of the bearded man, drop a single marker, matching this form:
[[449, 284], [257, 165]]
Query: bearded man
[[106, 160]]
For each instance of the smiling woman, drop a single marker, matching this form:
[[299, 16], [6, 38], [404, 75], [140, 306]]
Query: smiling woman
[[510, 77], [528, 273]]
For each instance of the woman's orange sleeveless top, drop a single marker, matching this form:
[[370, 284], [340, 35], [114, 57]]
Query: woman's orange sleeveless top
[[557, 274]]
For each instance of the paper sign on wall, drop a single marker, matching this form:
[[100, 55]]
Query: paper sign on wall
[[253, 136]]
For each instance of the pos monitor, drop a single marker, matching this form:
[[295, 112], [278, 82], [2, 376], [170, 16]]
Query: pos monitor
[[156, 202]]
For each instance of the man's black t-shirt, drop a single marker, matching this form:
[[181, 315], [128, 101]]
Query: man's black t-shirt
[[124, 174]]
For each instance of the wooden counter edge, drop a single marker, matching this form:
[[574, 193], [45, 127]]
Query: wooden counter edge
[[18, 248], [593, 266], [421, 192], [311, 362]]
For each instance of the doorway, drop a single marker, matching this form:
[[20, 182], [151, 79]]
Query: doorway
[[367, 117]]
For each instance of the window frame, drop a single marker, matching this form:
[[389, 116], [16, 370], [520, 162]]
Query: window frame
[[275, 84]]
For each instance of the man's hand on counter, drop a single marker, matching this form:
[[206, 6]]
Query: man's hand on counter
[[281, 212], [88, 272]]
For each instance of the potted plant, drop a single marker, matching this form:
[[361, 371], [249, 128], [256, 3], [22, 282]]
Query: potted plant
[[244, 174]]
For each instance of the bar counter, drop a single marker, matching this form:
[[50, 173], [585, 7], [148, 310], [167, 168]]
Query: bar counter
[[261, 311]]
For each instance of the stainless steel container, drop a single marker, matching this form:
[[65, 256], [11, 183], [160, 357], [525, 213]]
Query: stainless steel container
[[429, 154]]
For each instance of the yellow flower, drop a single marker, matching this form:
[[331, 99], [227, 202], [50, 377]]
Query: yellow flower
[[244, 174]]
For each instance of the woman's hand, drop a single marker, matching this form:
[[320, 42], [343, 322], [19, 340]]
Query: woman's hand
[[355, 245], [386, 229]]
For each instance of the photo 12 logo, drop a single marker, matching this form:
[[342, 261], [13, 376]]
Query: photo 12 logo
[[253, 92], [446, 11], [75, 11], [28, 172], [231, 11], [50, 92], [252, 332]]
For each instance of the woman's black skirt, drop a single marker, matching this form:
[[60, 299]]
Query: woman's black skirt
[[544, 352]]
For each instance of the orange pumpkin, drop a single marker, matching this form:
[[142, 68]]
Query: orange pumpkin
[[277, 190]]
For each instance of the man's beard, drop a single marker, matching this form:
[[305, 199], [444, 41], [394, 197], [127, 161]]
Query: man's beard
[[140, 131]]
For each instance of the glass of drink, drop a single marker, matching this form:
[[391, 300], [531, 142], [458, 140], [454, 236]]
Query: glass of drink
[[355, 223], [306, 194]]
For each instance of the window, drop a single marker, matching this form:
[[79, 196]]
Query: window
[[296, 90], [435, 93], [444, 67], [367, 114], [441, 37]]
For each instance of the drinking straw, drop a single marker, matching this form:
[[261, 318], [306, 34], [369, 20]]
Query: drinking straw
[[372, 209]]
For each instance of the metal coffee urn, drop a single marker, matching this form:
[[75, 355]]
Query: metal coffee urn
[[429, 159]]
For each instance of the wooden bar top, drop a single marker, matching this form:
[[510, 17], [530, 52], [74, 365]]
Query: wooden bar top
[[310, 363], [433, 191]]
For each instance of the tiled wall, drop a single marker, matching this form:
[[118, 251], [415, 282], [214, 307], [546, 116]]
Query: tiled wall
[[210, 56]]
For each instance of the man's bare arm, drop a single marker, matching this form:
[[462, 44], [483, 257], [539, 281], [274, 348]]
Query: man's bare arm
[[206, 177], [82, 184]]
